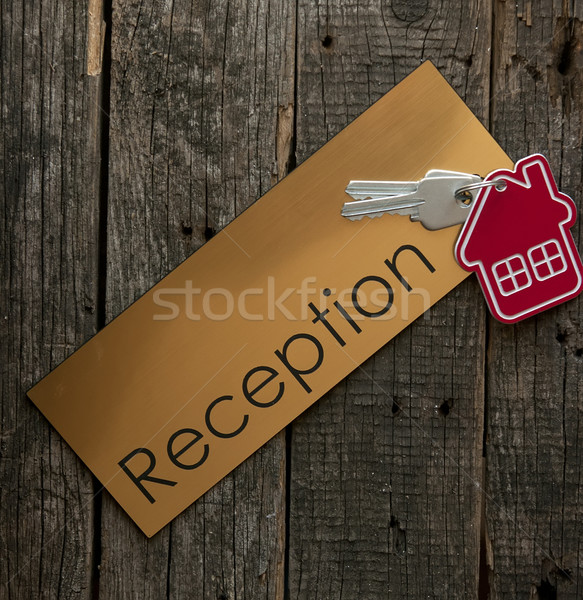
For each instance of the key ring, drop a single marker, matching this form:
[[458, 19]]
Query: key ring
[[464, 194]]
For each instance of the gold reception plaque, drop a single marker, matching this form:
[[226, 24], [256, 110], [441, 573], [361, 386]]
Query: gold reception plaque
[[268, 315]]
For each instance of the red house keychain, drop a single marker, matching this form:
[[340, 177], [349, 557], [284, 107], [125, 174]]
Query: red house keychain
[[518, 242]]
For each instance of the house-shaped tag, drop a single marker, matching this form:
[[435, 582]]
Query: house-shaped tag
[[518, 242]]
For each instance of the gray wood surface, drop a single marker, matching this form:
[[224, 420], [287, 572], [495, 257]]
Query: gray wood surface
[[383, 469], [379, 490], [534, 370], [205, 91], [49, 188]]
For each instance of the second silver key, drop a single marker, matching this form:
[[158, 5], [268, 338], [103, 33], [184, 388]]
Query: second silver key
[[433, 202]]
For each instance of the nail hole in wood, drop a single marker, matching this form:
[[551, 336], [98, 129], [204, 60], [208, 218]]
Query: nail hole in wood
[[445, 408], [209, 232], [546, 591], [327, 42]]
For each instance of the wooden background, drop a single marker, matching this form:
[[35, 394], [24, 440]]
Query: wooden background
[[457, 474]]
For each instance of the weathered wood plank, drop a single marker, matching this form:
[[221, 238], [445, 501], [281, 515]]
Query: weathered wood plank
[[202, 100], [535, 406], [383, 469], [49, 189]]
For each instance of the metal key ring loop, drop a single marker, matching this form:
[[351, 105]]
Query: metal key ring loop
[[500, 185]]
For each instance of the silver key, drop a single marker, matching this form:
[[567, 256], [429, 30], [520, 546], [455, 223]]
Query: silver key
[[362, 190], [432, 200]]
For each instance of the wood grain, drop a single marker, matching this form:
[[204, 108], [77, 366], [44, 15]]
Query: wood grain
[[49, 190], [535, 406], [200, 128], [383, 497], [380, 480]]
